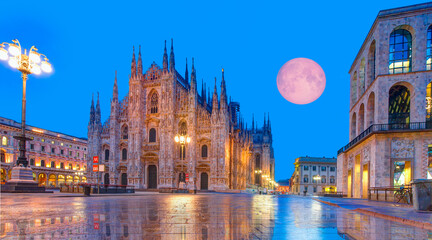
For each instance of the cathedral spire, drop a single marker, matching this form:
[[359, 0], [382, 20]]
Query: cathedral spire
[[172, 61], [223, 100], [133, 67], [98, 111], [165, 59], [193, 76], [140, 68], [186, 73], [264, 126], [92, 111], [115, 89], [215, 101], [269, 123], [253, 123]]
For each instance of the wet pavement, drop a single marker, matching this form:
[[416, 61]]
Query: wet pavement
[[186, 216]]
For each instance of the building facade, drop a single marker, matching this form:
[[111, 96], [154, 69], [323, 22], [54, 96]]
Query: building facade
[[390, 104], [54, 157], [137, 145], [313, 175]]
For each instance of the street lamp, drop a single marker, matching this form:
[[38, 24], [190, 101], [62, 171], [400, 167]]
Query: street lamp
[[182, 139], [26, 63]]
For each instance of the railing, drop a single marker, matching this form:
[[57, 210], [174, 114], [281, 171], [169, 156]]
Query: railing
[[391, 194], [384, 128]]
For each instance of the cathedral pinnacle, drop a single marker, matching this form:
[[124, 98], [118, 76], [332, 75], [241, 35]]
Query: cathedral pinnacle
[[98, 112], [186, 73], [193, 76], [133, 67], [92, 111], [223, 100], [165, 59], [172, 61], [215, 101], [115, 88], [140, 68]]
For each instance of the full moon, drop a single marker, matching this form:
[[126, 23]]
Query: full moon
[[301, 81]]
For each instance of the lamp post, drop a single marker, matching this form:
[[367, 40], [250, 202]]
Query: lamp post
[[27, 63], [183, 140]]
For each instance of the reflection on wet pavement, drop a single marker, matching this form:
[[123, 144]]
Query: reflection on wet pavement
[[183, 216]]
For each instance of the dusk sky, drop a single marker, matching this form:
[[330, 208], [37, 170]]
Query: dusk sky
[[87, 42]]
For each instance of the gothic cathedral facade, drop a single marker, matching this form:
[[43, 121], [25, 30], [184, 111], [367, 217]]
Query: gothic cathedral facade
[[136, 143]]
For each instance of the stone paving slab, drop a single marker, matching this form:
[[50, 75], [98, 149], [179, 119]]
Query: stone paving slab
[[402, 213]]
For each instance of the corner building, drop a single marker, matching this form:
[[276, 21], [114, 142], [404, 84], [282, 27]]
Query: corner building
[[137, 141], [390, 108]]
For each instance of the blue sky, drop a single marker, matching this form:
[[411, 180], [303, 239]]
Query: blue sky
[[87, 41]]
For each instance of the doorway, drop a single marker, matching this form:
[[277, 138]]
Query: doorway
[[349, 183], [365, 181], [152, 177], [204, 181], [106, 179], [124, 179]]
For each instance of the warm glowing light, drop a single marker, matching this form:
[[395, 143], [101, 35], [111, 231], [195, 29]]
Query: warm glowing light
[[176, 139], [36, 69], [38, 131], [182, 138], [34, 57], [188, 139], [46, 67], [37, 164], [13, 62], [14, 50], [3, 54]]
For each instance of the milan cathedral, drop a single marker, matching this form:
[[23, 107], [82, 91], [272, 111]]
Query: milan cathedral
[[136, 143]]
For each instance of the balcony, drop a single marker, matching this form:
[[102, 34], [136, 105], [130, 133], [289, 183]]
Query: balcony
[[382, 128]]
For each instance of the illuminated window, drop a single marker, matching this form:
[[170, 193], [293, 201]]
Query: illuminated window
[[152, 135], [4, 140], [61, 144], [77, 167], [429, 105], [429, 49], [401, 173], [43, 140], [70, 166], [52, 142], [204, 151], [400, 51]]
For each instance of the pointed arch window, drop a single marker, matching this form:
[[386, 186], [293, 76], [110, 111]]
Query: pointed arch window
[[183, 128], [400, 51], [125, 132], [152, 135], [154, 103], [106, 155], [124, 154], [204, 151]]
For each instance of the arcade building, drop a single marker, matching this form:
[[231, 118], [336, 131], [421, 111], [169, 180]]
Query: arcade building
[[390, 104]]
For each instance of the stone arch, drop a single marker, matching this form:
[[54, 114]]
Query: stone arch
[[361, 121], [370, 113], [362, 77], [204, 181], [354, 88], [42, 179], [371, 64], [353, 125], [399, 100], [182, 127]]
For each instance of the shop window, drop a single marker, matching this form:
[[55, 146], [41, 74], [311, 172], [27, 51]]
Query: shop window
[[401, 173], [429, 166]]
